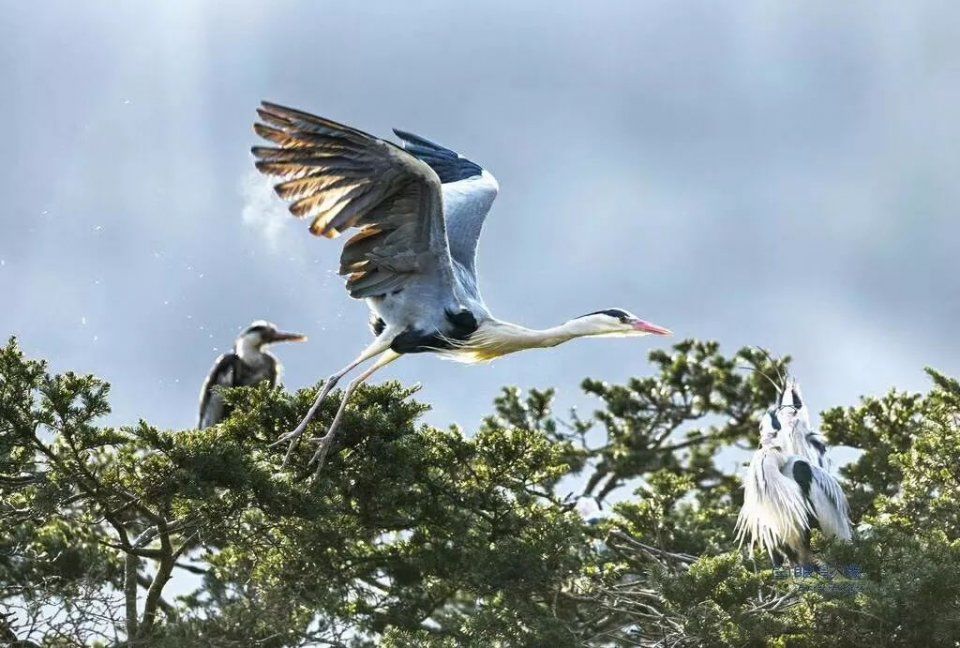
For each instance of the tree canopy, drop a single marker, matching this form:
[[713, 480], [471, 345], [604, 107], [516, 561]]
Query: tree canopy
[[418, 536]]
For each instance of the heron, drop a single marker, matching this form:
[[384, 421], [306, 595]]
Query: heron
[[785, 497], [418, 209], [791, 420], [247, 365]]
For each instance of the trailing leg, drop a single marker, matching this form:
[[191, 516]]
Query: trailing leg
[[293, 437], [327, 440]]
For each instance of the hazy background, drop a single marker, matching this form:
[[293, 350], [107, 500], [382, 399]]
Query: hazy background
[[777, 174]]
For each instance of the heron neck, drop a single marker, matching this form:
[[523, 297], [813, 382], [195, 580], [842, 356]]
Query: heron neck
[[247, 349], [527, 338]]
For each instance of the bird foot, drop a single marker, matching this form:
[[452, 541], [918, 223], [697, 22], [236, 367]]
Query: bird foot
[[293, 438], [292, 435], [324, 444]]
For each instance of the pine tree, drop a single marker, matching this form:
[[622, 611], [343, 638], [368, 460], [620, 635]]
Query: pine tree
[[419, 536]]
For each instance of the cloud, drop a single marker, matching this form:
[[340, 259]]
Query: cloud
[[263, 211]]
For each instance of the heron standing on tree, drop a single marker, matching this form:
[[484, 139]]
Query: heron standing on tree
[[787, 491], [247, 365], [419, 210]]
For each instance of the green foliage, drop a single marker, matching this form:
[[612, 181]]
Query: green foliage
[[418, 536]]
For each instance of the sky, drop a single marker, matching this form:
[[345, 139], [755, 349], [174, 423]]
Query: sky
[[759, 173]]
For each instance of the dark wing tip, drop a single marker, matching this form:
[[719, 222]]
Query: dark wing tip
[[448, 165], [803, 475], [410, 138]]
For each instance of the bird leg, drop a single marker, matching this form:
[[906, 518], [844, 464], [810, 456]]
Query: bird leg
[[293, 437], [327, 440]]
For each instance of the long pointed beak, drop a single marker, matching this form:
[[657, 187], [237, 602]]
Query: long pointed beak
[[283, 336], [647, 327]]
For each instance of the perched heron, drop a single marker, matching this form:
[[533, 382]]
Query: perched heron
[[419, 210], [247, 365], [790, 420], [786, 496]]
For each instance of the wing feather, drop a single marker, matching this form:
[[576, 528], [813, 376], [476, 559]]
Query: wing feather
[[830, 503], [225, 373], [340, 178], [468, 194]]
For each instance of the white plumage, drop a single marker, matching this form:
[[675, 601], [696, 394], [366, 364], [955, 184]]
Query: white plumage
[[798, 436], [787, 491], [774, 512]]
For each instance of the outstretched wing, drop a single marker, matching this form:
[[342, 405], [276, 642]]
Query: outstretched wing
[[225, 373], [468, 194], [341, 178]]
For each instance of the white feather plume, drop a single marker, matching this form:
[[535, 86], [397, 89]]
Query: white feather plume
[[775, 512]]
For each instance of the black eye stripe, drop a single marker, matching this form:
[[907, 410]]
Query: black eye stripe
[[621, 315]]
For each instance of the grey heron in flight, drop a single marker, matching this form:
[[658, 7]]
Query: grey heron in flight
[[247, 365], [419, 210], [786, 495]]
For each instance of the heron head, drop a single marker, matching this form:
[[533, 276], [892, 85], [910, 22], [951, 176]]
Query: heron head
[[772, 424], [778, 422], [262, 333], [615, 322], [792, 403]]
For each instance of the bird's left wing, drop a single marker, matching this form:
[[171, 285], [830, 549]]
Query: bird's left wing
[[468, 194], [830, 503]]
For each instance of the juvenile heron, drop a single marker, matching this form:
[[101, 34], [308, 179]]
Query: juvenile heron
[[419, 210], [247, 365], [786, 496]]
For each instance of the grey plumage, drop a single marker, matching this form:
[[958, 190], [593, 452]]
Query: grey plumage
[[226, 372], [450, 166], [419, 210], [342, 178], [403, 260], [468, 193], [248, 365]]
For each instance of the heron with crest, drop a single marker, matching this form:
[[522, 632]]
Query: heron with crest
[[787, 490], [418, 210]]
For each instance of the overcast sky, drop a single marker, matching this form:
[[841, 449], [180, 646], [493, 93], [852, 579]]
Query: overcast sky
[[777, 174]]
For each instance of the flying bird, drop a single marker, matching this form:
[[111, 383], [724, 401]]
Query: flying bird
[[247, 365], [418, 209], [786, 496]]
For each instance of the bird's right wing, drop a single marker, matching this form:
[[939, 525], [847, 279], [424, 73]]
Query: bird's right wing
[[830, 504], [468, 194], [225, 372], [342, 178]]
